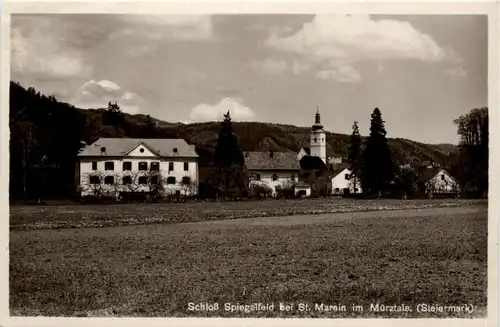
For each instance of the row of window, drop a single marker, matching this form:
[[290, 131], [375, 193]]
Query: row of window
[[274, 177], [143, 180], [142, 165]]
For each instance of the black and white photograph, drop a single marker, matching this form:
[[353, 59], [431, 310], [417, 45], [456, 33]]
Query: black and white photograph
[[249, 165]]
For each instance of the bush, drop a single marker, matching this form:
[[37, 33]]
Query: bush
[[260, 190]]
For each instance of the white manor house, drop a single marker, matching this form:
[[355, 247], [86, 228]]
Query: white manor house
[[114, 166]]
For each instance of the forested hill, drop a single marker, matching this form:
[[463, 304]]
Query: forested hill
[[265, 136], [41, 126]]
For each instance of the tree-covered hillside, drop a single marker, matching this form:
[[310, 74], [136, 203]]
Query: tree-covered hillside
[[46, 136]]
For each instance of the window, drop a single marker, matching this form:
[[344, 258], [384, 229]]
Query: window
[[186, 180], [442, 177], [292, 177], [141, 150], [171, 180], [347, 176], [143, 165], [155, 180], [127, 165], [186, 166], [94, 165], [94, 180], [127, 180], [170, 166], [109, 165], [315, 140], [143, 180], [155, 166], [257, 177], [337, 189], [110, 180], [275, 177]]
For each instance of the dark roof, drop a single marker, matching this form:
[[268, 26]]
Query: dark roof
[[336, 169], [312, 163], [302, 184], [117, 147], [271, 160]]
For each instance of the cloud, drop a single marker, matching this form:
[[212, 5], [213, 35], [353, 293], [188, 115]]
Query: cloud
[[141, 50], [298, 67], [270, 66], [275, 67], [94, 94], [343, 40], [158, 27], [207, 112], [39, 51], [457, 71], [344, 74]]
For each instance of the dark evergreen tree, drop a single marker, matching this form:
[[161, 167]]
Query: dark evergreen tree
[[355, 155], [378, 165], [229, 161], [227, 150]]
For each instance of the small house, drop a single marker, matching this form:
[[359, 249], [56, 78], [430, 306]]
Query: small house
[[438, 182], [343, 180], [272, 169]]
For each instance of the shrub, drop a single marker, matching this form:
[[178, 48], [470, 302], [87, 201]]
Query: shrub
[[260, 190]]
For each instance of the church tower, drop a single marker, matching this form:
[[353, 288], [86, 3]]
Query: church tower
[[318, 139]]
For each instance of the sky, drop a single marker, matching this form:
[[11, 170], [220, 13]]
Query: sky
[[421, 71]]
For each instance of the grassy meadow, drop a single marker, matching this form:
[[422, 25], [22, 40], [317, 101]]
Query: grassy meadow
[[77, 216], [430, 255]]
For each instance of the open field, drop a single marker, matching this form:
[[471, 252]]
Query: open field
[[74, 216], [435, 256]]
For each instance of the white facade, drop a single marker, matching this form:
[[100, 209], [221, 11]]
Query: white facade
[[343, 180], [273, 178], [318, 144], [299, 188], [171, 172], [442, 182]]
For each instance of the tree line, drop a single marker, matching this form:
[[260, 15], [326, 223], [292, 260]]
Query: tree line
[[46, 136], [379, 175]]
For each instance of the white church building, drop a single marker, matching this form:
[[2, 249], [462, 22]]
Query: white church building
[[339, 177]]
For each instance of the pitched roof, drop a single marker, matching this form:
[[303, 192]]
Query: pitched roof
[[307, 150], [336, 169], [271, 160], [430, 173], [312, 163], [121, 146]]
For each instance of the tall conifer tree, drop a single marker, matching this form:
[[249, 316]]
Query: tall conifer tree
[[378, 164], [229, 161], [355, 156]]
